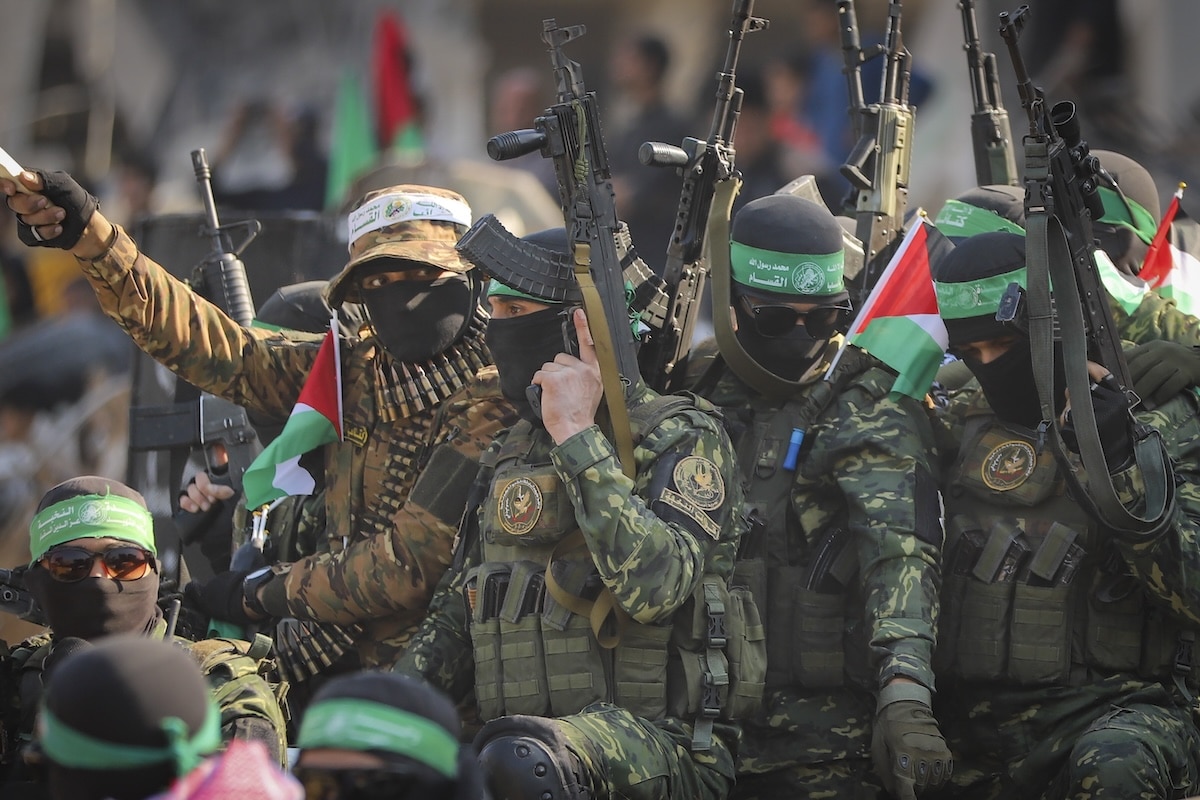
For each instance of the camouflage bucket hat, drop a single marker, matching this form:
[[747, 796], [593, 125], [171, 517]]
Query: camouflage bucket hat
[[410, 222]]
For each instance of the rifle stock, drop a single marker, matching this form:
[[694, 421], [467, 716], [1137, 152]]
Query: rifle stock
[[703, 165]]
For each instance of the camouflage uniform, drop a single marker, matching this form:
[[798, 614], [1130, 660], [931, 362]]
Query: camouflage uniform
[[652, 545], [851, 552], [240, 675], [388, 534], [1065, 656]]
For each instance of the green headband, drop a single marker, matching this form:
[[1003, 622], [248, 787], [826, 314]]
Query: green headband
[[1136, 218], [91, 516], [787, 273], [498, 289], [975, 298], [351, 724], [66, 746], [963, 219]]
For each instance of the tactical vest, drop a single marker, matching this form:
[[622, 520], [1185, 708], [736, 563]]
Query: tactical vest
[[1033, 593], [548, 637], [807, 593]]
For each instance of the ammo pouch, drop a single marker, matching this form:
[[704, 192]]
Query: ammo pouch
[[719, 666], [1039, 611]]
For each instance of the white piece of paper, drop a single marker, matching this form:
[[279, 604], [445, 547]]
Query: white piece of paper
[[9, 168]]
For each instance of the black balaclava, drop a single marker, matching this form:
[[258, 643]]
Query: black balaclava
[[95, 607], [521, 345], [970, 280], [803, 242], [417, 320]]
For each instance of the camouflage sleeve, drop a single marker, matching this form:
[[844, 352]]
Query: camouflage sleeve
[[652, 539], [398, 570], [256, 368], [876, 455], [440, 651], [1157, 317], [1169, 564]]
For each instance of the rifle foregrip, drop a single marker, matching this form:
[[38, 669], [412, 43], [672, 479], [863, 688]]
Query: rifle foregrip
[[514, 144], [236, 290], [658, 154]]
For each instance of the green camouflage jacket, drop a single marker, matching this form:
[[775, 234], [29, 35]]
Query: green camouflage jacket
[[389, 535], [649, 551]]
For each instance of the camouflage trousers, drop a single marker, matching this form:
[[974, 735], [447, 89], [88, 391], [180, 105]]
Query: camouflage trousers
[[1112, 739], [806, 744], [626, 757]]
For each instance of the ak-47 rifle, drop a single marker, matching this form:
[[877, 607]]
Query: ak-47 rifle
[[704, 164], [569, 133], [1061, 200], [991, 137], [878, 166]]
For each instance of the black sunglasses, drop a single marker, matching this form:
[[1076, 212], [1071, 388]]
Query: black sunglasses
[[773, 321], [72, 564], [352, 784]]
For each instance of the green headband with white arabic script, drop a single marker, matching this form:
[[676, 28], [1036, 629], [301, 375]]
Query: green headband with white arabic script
[[975, 298], [351, 724], [965, 220], [91, 516], [64, 745], [787, 273], [1133, 216]]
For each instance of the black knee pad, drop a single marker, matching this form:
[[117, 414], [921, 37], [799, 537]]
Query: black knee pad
[[526, 758]]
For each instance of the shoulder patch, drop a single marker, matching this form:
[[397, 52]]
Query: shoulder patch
[[696, 489], [519, 506]]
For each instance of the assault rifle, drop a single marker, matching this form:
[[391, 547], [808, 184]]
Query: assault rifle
[[703, 164], [218, 428], [991, 137], [569, 133], [878, 166], [15, 598], [1061, 200]]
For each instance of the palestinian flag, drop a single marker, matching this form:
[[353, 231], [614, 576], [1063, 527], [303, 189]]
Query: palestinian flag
[[396, 124], [899, 324], [316, 420], [1171, 266]]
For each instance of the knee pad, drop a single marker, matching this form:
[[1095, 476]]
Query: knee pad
[[526, 758]]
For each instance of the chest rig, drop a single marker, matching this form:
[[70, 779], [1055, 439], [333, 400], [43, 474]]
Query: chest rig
[[1033, 591], [547, 634]]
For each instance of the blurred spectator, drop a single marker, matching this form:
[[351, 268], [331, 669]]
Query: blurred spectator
[[518, 97], [646, 196], [382, 734], [761, 155], [270, 159]]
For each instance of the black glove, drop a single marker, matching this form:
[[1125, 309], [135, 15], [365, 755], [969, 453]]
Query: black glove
[[908, 750], [220, 596], [1161, 369], [1112, 423], [62, 190]]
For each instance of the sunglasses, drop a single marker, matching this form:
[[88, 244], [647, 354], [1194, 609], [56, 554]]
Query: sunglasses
[[352, 784], [773, 321], [123, 563]]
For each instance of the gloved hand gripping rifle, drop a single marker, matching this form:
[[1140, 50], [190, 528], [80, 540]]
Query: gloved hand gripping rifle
[[1061, 200]]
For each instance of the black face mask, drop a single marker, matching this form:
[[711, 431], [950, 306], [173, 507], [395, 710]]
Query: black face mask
[[520, 346], [416, 320], [95, 607], [789, 356], [1008, 384]]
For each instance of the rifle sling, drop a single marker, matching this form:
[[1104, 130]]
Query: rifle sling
[[597, 611], [606, 356], [1048, 258]]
